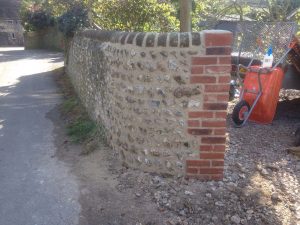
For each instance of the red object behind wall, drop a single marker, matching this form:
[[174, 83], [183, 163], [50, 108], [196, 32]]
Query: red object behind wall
[[265, 108]]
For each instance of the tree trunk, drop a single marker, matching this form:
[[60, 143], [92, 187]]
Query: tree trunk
[[185, 15]]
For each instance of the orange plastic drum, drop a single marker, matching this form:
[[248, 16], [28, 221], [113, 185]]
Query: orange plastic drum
[[265, 108]]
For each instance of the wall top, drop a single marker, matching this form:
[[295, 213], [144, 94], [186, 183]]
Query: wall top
[[174, 39]]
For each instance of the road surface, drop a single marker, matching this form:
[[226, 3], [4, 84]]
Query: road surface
[[35, 187]]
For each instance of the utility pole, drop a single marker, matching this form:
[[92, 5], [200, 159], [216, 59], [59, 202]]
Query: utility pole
[[185, 15]]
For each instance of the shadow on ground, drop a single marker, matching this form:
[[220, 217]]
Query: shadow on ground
[[14, 54], [35, 188], [257, 167], [257, 161], [100, 199]]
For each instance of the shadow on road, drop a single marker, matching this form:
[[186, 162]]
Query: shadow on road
[[13, 54], [32, 95], [35, 188]]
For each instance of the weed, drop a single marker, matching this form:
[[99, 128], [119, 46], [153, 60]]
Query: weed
[[81, 129], [69, 104]]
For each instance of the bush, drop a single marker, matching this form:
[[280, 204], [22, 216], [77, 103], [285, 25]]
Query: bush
[[136, 15], [37, 20], [73, 19]]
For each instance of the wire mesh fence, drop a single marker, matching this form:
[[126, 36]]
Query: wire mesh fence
[[252, 38]]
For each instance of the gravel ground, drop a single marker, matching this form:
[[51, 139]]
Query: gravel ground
[[261, 184]]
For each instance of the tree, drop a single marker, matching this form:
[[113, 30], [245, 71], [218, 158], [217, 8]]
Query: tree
[[185, 15], [73, 19], [211, 12], [276, 10], [34, 16], [59, 7], [135, 15], [264, 10], [127, 15]]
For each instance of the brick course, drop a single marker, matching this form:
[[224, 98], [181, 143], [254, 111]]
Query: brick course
[[161, 97], [214, 76]]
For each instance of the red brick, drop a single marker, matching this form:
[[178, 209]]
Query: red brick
[[203, 79], [210, 98], [221, 114], [225, 60], [219, 148], [197, 70], [224, 39], [213, 140], [224, 79], [215, 106], [206, 148], [211, 155], [220, 131], [217, 88], [217, 163], [193, 123], [192, 170], [201, 114], [204, 60], [211, 170], [218, 51], [200, 131], [223, 98], [217, 69], [216, 97], [197, 163], [214, 123]]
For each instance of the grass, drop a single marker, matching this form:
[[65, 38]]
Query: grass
[[69, 105], [81, 130], [79, 126]]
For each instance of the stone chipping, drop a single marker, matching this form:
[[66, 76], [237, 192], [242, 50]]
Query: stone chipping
[[261, 184]]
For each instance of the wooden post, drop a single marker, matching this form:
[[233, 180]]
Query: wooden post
[[185, 15]]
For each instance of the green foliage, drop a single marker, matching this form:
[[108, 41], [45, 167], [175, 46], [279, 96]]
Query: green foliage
[[69, 105], [74, 19], [81, 130], [34, 16], [36, 20], [269, 10], [69, 14], [59, 7], [213, 11], [149, 15], [127, 15], [80, 127], [135, 15], [277, 10]]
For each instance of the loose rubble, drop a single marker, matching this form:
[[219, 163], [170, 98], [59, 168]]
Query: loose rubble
[[261, 184]]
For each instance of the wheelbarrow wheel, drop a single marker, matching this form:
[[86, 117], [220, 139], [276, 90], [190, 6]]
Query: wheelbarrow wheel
[[240, 112]]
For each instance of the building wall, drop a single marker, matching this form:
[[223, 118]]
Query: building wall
[[161, 97], [11, 32], [49, 38]]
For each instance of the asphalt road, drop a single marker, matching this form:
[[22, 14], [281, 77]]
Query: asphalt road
[[35, 187]]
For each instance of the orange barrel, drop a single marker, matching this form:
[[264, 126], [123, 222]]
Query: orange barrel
[[265, 108]]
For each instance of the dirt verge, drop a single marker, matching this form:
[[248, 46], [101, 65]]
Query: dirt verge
[[261, 184]]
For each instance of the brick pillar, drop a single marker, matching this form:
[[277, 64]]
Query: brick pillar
[[208, 123]]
